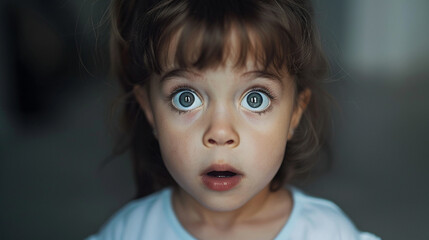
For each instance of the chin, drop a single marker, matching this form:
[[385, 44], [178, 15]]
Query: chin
[[222, 202]]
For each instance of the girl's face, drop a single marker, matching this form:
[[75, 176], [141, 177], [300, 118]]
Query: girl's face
[[222, 132]]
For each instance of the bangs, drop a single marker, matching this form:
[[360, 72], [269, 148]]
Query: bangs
[[209, 34]]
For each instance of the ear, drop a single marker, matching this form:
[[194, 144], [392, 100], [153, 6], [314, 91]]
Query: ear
[[142, 95], [303, 100]]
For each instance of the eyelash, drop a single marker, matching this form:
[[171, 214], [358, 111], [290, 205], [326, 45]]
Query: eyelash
[[179, 88]]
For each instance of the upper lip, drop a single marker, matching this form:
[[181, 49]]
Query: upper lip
[[221, 168]]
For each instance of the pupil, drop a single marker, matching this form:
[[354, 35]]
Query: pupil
[[254, 100], [186, 99]]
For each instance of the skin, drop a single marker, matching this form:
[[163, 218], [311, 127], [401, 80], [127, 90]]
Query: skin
[[223, 131]]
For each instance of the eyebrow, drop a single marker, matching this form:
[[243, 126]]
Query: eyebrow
[[251, 75], [178, 72], [262, 74]]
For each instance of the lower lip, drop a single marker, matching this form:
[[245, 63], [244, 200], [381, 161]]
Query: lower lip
[[221, 184]]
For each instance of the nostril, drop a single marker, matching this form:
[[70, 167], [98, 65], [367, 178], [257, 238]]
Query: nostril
[[229, 142]]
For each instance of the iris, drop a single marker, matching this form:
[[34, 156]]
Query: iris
[[254, 100]]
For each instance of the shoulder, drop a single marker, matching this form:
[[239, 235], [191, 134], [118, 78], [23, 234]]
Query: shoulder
[[132, 219], [321, 219]]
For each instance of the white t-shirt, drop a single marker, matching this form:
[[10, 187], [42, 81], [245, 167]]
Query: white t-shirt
[[152, 217]]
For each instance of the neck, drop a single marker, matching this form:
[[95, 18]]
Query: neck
[[191, 211]]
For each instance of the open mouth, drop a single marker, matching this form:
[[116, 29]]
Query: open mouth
[[221, 174], [221, 177], [221, 171]]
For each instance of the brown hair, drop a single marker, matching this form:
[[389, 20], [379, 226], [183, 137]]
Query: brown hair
[[285, 39]]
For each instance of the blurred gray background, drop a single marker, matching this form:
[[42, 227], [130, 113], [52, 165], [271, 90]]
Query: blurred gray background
[[55, 130]]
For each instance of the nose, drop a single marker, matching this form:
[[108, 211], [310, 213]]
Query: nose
[[221, 132]]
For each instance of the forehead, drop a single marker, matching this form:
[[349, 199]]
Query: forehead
[[239, 47]]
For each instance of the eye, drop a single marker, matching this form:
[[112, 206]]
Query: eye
[[186, 100], [256, 101]]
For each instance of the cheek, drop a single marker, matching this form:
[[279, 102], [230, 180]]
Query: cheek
[[269, 152], [269, 140], [178, 145], [174, 144], [266, 147]]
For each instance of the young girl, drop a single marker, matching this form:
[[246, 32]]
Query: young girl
[[224, 108]]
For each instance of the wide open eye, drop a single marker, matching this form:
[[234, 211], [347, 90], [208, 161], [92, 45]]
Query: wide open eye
[[186, 100], [256, 101]]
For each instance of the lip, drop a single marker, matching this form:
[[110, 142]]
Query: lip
[[221, 183], [221, 167]]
